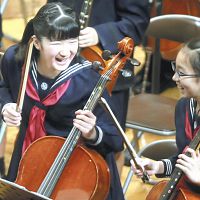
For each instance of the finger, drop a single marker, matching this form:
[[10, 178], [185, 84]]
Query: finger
[[150, 172], [183, 168], [10, 122], [138, 163], [84, 121], [84, 126], [85, 43], [84, 37], [139, 174], [83, 112], [85, 31], [186, 164], [192, 152], [185, 158], [11, 116], [86, 116], [10, 111]]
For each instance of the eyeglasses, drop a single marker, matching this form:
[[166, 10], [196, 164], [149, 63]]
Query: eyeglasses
[[181, 74]]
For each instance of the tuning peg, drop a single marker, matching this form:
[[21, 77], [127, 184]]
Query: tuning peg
[[97, 65], [134, 62], [126, 73], [106, 55]]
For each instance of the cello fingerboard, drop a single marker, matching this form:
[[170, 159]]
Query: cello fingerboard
[[169, 190]]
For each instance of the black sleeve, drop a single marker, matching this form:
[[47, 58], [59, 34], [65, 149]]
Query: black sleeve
[[132, 20]]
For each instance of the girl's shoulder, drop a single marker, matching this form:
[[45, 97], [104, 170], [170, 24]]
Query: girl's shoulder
[[184, 101], [184, 104], [9, 56], [11, 51]]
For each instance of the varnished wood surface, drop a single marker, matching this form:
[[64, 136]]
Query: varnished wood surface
[[13, 25], [137, 189]]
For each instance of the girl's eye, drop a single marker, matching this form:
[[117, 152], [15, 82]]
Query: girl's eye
[[55, 43], [181, 73]]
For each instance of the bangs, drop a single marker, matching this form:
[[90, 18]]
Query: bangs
[[63, 28]]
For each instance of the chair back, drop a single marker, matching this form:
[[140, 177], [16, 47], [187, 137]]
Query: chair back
[[160, 149]]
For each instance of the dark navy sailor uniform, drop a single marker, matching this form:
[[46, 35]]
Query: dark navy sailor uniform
[[187, 124], [113, 20], [59, 117]]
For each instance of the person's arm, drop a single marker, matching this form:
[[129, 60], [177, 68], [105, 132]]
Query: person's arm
[[109, 139], [165, 167], [11, 74], [181, 140], [9, 113], [133, 19]]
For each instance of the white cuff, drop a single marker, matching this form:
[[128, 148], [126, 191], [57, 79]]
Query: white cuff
[[100, 136]]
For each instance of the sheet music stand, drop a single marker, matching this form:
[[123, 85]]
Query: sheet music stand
[[13, 191]]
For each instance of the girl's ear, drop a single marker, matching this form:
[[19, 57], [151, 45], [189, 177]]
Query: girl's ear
[[36, 42]]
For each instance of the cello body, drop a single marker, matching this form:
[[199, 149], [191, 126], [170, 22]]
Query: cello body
[[91, 53], [169, 49], [180, 194], [94, 53], [85, 177], [63, 169]]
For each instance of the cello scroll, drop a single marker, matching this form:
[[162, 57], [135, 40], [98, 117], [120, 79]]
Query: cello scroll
[[60, 177]]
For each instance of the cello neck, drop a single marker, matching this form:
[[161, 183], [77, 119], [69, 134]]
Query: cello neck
[[48, 184], [85, 13], [125, 47], [177, 173]]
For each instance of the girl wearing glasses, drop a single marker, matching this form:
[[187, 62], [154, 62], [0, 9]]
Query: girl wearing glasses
[[187, 119]]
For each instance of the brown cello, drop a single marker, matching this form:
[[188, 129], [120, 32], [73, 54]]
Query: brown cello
[[169, 49], [173, 189], [63, 169], [92, 53]]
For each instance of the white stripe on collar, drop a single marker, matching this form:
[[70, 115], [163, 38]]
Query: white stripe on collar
[[192, 107], [63, 75], [69, 71]]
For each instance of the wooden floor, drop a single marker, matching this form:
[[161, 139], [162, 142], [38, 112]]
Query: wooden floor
[[13, 27]]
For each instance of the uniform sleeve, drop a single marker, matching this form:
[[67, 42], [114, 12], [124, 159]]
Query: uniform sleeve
[[5, 96], [181, 140], [9, 85], [132, 21]]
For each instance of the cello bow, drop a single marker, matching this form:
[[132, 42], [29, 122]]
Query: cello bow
[[133, 154], [22, 89], [58, 178]]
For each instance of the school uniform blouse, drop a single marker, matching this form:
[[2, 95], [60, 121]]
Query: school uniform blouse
[[187, 123], [59, 117]]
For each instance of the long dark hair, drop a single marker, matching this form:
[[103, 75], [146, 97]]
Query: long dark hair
[[53, 21]]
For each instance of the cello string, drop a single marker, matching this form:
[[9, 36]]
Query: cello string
[[59, 165], [70, 143]]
